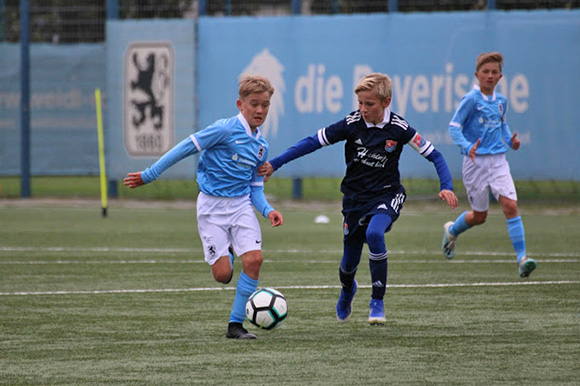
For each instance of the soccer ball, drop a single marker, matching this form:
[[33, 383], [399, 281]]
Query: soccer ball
[[266, 308]]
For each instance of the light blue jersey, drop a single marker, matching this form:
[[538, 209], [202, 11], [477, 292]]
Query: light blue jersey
[[481, 116], [230, 155]]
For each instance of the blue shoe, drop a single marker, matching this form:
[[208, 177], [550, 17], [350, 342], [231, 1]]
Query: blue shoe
[[448, 244], [377, 312], [344, 305], [526, 266]]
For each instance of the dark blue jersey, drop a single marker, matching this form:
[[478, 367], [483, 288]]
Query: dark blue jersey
[[371, 154]]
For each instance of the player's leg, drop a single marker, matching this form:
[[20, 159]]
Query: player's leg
[[347, 271], [222, 269], [504, 190], [475, 182], [247, 243], [215, 237], [378, 263]]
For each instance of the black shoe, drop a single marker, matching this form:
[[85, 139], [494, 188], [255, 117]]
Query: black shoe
[[237, 331]]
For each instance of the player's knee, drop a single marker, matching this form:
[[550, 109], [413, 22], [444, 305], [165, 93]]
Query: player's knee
[[252, 261], [375, 239], [222, 276], [511, 210]]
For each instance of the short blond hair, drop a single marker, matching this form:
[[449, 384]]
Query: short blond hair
[[489, 57], [381, 84], [250, 84]]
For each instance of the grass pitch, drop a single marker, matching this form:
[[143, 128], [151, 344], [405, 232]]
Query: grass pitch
[[128, 299]]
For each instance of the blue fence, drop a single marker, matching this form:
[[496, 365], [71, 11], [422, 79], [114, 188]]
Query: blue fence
[[314, 63]]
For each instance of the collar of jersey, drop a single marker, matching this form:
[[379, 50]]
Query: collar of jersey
[[486, 98], [246, 125], [386, 120]]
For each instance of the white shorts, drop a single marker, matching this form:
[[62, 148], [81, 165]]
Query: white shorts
[[227, 221], [489, 172]]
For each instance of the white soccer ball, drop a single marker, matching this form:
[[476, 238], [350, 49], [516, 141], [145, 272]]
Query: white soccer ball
[[266, 308]]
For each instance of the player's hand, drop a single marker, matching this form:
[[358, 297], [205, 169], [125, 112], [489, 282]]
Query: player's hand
[[276, 218], [450, 197], [133, 180], [266, 170], [515, 142], [473, 150]]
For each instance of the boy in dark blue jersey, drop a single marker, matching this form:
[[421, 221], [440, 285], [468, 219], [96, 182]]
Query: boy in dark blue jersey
[[373, 194]]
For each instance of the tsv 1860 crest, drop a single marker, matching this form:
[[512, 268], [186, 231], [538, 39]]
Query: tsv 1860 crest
[[148, 98]]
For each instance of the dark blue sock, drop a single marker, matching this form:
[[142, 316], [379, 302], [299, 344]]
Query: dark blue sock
[[349, 264], [378, 275], [378, 262]]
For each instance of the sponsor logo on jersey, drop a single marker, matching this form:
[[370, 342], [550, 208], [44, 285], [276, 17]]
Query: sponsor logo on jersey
[[390, 145]]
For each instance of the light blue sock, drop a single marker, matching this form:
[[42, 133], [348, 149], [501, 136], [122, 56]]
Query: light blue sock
[[459, 226], [515, 228], [245, 287]]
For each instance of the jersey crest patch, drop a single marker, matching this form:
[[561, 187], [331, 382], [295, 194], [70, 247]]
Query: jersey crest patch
[[261, 152], [390, 145], [418, 140], [500, 107]]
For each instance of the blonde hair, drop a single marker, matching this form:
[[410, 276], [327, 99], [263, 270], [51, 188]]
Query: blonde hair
[[489, 57], [250, 84], [381, 84]]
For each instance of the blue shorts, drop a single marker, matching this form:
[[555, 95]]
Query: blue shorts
[[357, 214]]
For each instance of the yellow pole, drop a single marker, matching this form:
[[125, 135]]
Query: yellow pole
[[101, 152]]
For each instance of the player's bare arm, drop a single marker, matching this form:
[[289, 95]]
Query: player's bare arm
[[266, 170], [449, 197], [276, 218], [133, 180], [473, 150], [515, 142]]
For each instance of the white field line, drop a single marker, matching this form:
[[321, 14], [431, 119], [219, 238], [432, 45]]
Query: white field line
[[200, 261], [546, 258], [265, 250], [317, 287]]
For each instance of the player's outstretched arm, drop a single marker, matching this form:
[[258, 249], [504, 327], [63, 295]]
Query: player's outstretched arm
[[133, 180], [276, 218]]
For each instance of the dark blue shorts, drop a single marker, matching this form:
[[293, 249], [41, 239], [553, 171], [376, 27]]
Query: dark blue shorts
[[357, 214]]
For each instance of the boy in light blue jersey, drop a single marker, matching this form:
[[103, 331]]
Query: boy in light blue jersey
[[231, 151], [480, 129]]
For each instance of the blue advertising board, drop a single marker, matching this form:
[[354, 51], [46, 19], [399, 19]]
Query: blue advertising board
[[314, 63]]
